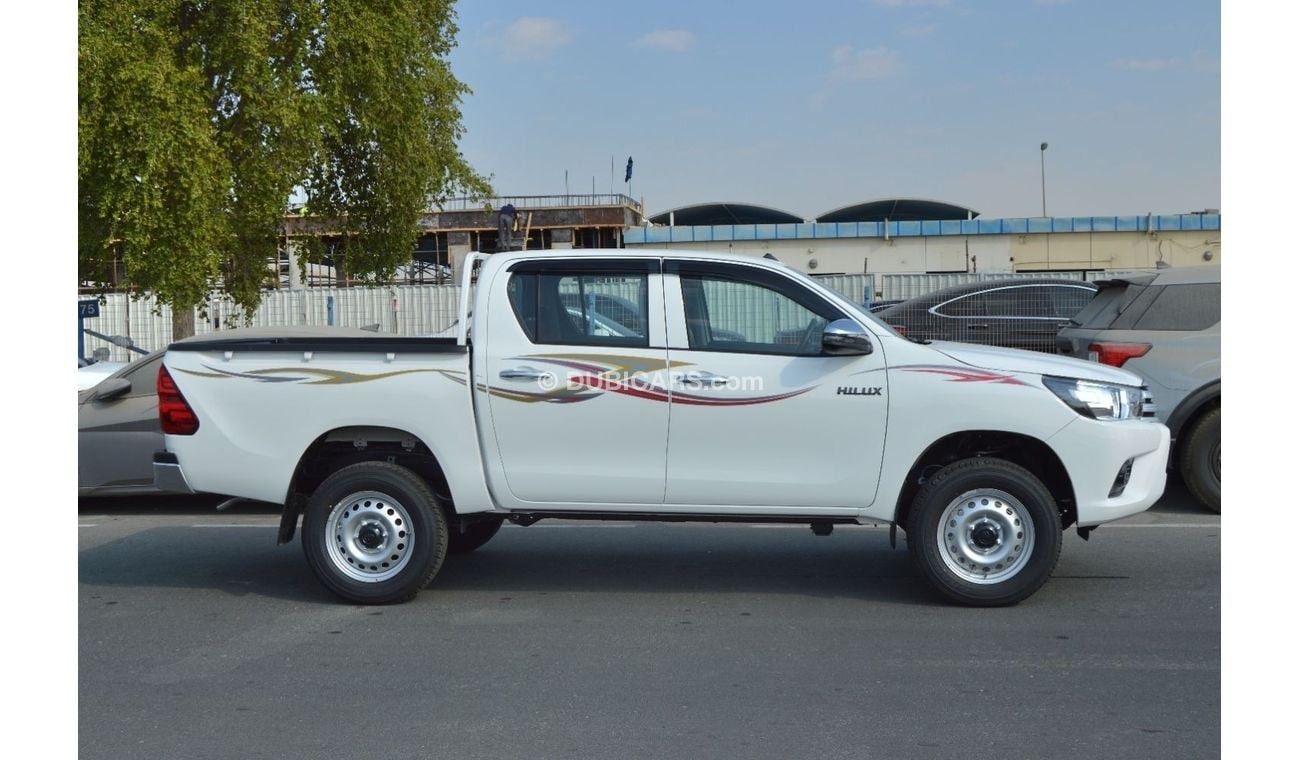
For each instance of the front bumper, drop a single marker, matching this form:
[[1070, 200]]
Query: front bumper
[[1093, 453], [167, 473]]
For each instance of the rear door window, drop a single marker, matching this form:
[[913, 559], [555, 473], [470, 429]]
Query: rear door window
[[571, 308], [1005, 302], [1034, 301], [973, 305]]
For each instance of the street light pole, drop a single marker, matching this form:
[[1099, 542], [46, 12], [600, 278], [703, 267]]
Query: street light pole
[[1042, 167]]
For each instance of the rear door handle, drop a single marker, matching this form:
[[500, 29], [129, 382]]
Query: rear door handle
[[524, 373], [699, 377], [976, 327]]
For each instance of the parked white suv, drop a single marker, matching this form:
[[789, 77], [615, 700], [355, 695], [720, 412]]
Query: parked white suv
[[1164, 327], [745, 392]]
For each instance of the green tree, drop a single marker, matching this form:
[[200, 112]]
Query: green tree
[[198, 120]]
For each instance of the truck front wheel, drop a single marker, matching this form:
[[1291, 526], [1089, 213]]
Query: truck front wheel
[[374, 533], [985, 532]]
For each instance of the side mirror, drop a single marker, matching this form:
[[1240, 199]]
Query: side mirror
[[112, 388], [844, 337]]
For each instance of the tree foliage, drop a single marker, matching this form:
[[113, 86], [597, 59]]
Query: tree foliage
[[199, 119]]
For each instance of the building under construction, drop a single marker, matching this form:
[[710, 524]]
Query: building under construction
[[461, 225]]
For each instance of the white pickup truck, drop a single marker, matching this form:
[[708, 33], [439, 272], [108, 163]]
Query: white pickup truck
[[613, 385]]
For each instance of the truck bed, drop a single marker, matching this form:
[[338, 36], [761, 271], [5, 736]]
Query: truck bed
[[263, 396]]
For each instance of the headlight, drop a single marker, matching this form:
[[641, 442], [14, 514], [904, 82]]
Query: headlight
[[1100, 401]]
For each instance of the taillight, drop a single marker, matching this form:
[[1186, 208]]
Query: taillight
[[900, 329], [174, 411], [1115, 354]]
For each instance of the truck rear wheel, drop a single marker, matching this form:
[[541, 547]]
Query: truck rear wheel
[[472, 535], [985, 532], [374, 533]]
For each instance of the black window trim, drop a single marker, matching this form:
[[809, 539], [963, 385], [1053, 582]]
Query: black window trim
[[762, 277], [585, 266]]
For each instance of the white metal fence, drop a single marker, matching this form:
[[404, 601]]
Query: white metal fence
[[400, 310], [426, 309]]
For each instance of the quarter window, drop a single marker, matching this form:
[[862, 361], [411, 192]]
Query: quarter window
[[143, 376], [1068, 300], [1182, 307]]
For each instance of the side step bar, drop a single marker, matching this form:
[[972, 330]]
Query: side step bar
[[822, 526]]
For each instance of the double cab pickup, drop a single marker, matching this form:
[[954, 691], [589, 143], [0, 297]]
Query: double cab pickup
[[659, 385]]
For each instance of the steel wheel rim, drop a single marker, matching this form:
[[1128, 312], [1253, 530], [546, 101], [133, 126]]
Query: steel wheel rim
[[986, 536], [368, 536]]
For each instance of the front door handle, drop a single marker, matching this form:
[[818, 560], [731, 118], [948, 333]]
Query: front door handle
[[524, 373], [977, 327]]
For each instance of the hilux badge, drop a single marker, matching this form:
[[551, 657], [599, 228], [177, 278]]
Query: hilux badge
[[843, 391]]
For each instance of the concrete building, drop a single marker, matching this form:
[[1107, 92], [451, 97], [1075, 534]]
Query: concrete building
[[462, 225], [896, 235], [914, 236]]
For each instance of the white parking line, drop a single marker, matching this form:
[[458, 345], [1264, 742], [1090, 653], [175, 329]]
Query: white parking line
[[583, 525], [766, 526], [804, 526], [1162, 525], [92, 525]]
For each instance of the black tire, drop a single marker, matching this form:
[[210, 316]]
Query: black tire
[[427, 531], [1199, 462], [472, 535], [947, 486]]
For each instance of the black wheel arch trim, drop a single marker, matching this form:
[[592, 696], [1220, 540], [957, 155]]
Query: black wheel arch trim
[[1191, 405]]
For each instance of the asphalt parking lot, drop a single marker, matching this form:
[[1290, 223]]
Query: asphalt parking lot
[[200, 638]]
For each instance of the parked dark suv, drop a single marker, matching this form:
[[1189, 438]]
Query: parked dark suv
[[1023, 313]]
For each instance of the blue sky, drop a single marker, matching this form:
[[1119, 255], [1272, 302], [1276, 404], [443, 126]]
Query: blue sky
[[813, 105]]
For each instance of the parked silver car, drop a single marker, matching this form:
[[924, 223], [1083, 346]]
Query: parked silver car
[[1164, 327], [118, 431]]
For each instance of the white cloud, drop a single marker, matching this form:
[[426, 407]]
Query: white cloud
[[669, 40], [868, 63], [534, 37], [1147, 64]]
